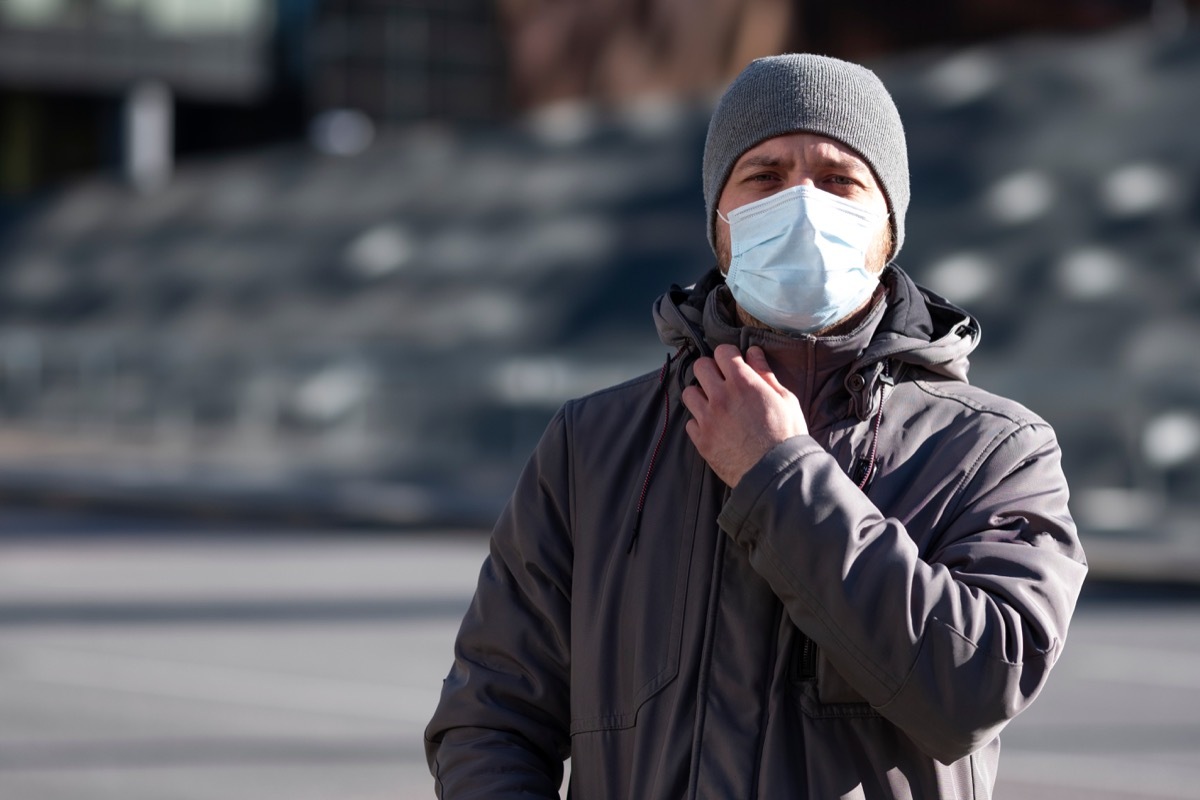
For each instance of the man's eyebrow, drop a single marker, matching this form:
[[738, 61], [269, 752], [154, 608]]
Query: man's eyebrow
[[837, 161], [759, 160], [844, 162]]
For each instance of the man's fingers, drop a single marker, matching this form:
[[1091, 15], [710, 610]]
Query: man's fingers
[[694, 400], [706, 372], [757, 360], [716, 377], [727, 359]]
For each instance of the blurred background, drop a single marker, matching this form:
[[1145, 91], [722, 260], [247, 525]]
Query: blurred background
[[289, 289]]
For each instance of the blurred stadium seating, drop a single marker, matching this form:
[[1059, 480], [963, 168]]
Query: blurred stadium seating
[[383, 336]]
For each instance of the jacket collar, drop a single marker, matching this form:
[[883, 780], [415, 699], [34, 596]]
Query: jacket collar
[[915, 327], [814, 368]]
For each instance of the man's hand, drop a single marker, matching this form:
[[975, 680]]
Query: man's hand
[[740, 410]]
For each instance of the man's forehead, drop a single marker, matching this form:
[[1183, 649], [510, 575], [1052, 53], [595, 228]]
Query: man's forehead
[[787, 146]]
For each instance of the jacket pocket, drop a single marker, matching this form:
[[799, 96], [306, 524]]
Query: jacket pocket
[[628, 615], [821, 689]]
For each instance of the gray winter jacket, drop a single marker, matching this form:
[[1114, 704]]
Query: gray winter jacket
[[796, 636]]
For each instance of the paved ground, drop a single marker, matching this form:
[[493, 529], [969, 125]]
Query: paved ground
[[143, 666]]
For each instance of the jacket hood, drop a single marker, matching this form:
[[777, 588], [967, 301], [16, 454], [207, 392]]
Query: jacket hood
[[919, 327]]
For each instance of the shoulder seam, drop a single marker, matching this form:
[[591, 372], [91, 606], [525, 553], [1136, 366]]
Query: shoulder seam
[[568, 413], [1032, 420], [649, 376], [985, 454]]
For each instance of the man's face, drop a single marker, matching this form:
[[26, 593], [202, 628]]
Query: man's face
[[803, 159]]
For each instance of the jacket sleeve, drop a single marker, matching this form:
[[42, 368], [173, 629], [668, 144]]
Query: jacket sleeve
[[949, 644], [501, 727]]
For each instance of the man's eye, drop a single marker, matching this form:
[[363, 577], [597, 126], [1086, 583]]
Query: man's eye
[[841, 180]]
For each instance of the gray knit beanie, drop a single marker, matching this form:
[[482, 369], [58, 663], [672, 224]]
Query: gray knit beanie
[[800, 92]]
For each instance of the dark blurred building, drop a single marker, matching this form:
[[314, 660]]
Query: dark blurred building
[[74, 76], [612, 49], [409, 60], [79, 78], [387, 331]]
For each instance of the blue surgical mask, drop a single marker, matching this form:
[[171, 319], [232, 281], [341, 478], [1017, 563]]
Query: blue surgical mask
[[799, 258]]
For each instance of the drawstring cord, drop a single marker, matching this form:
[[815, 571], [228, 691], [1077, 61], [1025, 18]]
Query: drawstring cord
[[662, 436], [873, 454]]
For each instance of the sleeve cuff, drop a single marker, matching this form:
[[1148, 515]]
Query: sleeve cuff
[[781, 460]]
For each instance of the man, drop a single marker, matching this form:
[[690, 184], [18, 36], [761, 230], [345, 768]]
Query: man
[[804, 560]]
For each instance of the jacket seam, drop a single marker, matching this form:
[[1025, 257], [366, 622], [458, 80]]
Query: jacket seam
[[1017, 419], [568, 427], [767, 668], [985, 454], [439, 785], [629, 384], [1038, 655], [960, 489], [975, 645], [705, 668], [606, 722]]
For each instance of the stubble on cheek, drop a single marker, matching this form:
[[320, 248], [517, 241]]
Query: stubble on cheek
[[880, 249], [724, 251]]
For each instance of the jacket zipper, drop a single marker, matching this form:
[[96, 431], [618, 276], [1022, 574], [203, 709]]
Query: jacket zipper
[[766, 717], [808, 658], [706, 648]]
